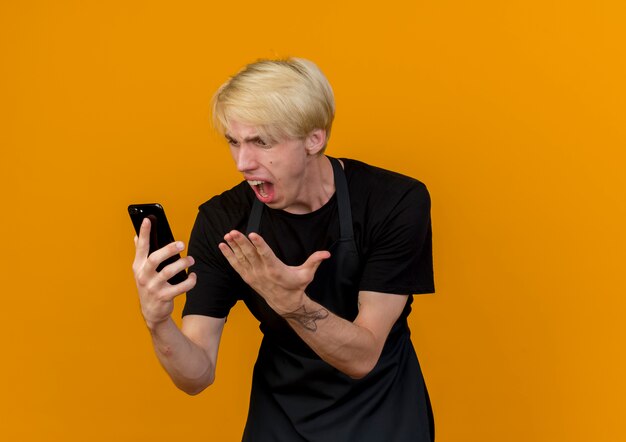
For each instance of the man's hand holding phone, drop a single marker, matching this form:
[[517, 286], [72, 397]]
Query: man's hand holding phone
[[156, 294]]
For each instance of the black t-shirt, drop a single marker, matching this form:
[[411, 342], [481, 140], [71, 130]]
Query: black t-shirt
[[392, 230], [296, 395]]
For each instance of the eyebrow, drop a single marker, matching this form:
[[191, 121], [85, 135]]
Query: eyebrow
[[252, 139]]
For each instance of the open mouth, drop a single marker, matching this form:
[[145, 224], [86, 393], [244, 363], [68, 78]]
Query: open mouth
[[264, 190], [259, 186]]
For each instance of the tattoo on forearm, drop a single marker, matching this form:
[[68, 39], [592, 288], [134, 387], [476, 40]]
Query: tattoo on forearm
[[308, 320]]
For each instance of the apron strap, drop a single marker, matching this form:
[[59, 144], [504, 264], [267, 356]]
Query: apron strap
[[343, 200], [254, 221]]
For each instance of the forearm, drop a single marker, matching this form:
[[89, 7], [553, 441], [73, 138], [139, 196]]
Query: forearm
[[347, 346], [352, 347], [187, 364]]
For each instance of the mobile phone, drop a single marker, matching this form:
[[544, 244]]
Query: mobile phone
[[160, 233]]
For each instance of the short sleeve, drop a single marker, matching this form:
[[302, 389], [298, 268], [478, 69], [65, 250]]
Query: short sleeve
[[399, 259], [217, 284]]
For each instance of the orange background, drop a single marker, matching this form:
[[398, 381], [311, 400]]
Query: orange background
[[513, 114]]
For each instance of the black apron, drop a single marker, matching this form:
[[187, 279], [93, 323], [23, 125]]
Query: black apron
[[296, 396]]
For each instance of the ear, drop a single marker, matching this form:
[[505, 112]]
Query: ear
[[315, 141]]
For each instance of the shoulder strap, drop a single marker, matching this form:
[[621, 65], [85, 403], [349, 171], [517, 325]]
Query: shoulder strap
[[343, 199], [254, 221]]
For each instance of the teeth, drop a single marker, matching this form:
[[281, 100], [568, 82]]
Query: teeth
[[259, 185]]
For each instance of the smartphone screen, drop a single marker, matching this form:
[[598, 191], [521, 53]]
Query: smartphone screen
[[160, 233]]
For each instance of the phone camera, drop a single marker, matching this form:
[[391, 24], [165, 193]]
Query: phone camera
[[134, 211]]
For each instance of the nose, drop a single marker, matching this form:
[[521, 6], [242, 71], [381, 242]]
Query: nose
[[245, 158]]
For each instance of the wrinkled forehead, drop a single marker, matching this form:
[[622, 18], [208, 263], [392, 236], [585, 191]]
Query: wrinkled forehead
[[242, 130], [239, 128]]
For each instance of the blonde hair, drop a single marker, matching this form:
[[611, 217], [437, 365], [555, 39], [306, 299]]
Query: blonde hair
[[283, 98]]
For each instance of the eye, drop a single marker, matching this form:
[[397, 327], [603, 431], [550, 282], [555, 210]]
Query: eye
[[261, 143], [232, 142]]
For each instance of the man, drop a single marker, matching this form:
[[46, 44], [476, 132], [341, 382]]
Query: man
[[325, 253]]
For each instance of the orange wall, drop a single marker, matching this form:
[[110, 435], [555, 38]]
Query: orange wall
[[512, 112]]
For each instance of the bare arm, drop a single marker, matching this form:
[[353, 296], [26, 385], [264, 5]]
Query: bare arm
[[189, 355], [352, 347]]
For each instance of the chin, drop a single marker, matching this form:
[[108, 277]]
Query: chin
[[275, 205]]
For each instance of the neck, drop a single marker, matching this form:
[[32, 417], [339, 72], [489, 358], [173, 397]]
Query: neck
[[319, 185]]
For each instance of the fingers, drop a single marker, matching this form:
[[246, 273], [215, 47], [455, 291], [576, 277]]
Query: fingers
[[157, 284], [261, 246], [178, 289], [231, 240], [248, 255], [177, 266], [314, 261], [229, 255], [163, 253], [244, 251], [142, 243]]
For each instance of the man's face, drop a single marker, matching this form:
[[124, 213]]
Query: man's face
[[276, 171]]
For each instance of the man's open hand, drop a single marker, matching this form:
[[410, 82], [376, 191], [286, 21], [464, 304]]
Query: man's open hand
[[282, 286]]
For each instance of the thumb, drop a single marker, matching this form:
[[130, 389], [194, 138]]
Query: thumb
[[314, 261]]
